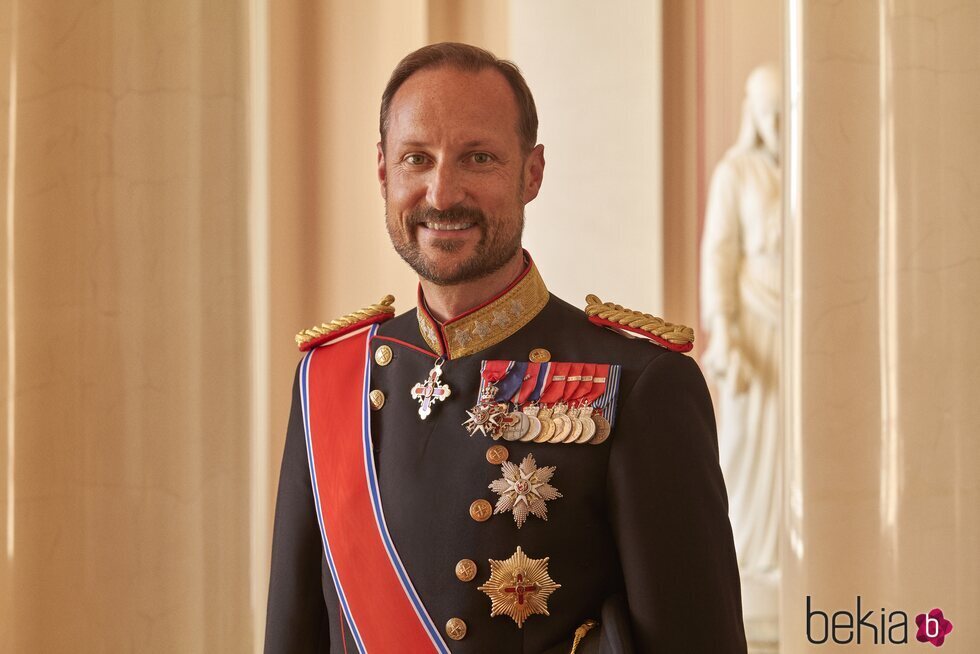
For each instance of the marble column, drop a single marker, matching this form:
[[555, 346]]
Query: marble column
[[882, 288], [126, 431]]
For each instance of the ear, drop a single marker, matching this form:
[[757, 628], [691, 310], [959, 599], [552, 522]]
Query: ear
[[533, 173], [382, 173]]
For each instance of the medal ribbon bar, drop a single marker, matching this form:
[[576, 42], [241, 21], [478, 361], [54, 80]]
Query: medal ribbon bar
[[580, 398]]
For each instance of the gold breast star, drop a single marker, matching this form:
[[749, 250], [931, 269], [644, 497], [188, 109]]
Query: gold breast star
[[519, 587], [524, 489]]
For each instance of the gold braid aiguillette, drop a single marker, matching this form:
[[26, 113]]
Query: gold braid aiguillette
[[676, 334]]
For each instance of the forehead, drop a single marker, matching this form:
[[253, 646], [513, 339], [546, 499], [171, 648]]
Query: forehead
[[447, 104]]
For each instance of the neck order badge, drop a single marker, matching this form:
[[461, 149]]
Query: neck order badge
[[382, 608]]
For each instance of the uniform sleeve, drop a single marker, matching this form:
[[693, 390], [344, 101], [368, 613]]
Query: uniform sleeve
[[296, 620], [669, 511]]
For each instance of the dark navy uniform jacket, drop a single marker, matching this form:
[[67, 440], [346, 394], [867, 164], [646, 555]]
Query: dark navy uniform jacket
[[640, 539]]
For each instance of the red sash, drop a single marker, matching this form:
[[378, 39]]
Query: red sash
[[381, 606]]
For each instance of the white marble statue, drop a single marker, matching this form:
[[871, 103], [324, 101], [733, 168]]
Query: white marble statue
[[740, 304]]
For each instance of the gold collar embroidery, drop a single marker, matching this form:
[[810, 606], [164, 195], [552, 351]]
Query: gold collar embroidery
[[488, 324]]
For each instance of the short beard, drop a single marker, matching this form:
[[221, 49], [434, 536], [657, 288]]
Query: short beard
[[488, 258]]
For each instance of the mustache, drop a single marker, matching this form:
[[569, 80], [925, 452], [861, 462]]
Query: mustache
[[421, 215]]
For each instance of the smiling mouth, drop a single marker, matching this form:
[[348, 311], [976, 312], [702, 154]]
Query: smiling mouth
[[448, 227]]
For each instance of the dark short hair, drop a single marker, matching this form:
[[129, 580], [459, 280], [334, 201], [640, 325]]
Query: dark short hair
[[467, 58]]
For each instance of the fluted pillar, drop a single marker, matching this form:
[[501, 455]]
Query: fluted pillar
[[882, 299], [127, 432]]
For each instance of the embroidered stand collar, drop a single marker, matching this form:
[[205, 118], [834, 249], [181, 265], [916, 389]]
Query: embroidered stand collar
[[488, 324]]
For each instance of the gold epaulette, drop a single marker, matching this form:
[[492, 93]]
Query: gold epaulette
[[319, 334], [673, 337]]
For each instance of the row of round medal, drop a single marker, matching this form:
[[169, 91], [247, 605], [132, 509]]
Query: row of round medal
[[576, 420], [558, 424]]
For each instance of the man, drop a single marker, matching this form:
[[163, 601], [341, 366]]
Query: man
[[525, 480]]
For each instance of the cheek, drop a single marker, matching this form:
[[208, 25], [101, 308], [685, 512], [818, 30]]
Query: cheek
[[403, 195]]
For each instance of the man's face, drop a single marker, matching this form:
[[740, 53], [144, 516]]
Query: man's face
[[453, 175]]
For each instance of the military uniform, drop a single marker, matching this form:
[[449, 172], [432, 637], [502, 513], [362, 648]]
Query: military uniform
[[639, 539]]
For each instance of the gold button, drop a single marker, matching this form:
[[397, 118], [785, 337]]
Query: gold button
[[480, 510], [465, 570], [456, 629], [497, 454], [539, 355], [383, 355], [377, 399]]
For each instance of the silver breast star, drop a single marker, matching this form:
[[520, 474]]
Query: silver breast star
[[524, 489]]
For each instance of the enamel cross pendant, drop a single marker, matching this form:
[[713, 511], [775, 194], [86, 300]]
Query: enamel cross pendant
[[431, 390]]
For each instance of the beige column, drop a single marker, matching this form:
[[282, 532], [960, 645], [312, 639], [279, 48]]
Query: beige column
[[484, 23], [682, 142], [882, 288], [126, 433]]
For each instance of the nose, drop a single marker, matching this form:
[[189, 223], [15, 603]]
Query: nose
[[445, 187]]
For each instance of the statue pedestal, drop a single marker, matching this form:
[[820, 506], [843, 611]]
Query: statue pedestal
[[760, 610]]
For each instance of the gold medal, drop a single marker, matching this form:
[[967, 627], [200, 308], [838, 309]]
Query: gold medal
[[519, 587], [563, 424], [576, 426], [533, 431], [588, 425], [532, 411], [547, 426], [602, 429]]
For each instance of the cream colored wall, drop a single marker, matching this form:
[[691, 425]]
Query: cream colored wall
[[883, 283], [596, 76], [481, 22]]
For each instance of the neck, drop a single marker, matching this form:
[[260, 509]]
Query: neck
[[447, 302]]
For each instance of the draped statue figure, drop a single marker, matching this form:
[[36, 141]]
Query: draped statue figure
[[740, 308]]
